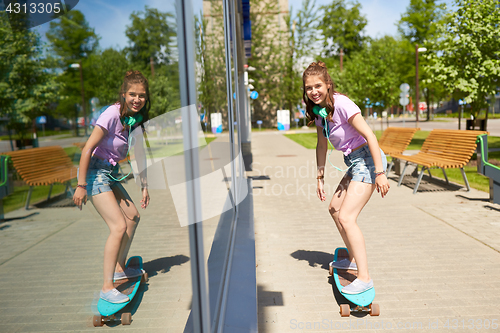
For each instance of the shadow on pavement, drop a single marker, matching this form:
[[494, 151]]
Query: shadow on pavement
[[162, 265], [492, 208], [314, 258], [18, 218], [58, 201], [472, 199]]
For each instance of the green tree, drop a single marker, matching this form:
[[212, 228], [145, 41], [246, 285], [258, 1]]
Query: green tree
[[270, 51], [342, 28], [104, 74], [466, 57], [303, 39], [210, 53], [165, 95], [27, 88], [418, 25], [151, 34], [72, 41], [373, 73]]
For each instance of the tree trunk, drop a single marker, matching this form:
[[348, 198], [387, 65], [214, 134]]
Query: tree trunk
[[76, 122], [428, 101], [487, 112]]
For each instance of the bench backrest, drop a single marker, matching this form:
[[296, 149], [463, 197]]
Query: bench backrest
[[40, 163], [397, 138], [455, 145]]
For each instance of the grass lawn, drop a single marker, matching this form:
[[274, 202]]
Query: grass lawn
[[476, 180], [18, 199]]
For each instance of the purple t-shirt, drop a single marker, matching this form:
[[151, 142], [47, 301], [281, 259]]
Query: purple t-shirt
[[113, 147], [342, 135]]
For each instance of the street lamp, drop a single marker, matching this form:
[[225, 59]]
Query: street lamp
[[417, 51], [79, 65], [341, 58]]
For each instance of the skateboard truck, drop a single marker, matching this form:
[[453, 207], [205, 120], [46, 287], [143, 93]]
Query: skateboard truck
[[125, 318], [372, 309]]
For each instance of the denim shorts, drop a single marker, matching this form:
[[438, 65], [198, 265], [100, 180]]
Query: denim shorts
[[98, 176], [361, 166]]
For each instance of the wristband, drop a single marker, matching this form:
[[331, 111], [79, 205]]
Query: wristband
[[379, 173], [320, 177], [84, 186]]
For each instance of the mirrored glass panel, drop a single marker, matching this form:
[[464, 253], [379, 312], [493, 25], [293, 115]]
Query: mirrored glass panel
[[93, 90]]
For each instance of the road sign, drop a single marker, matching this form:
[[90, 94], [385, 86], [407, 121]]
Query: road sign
[[404, 101], [405, 87], [254, 95], [42, 120]]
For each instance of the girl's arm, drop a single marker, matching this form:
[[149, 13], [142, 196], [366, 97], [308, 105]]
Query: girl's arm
[[140, 157], [362, 127], [80, 196], [321, 149]]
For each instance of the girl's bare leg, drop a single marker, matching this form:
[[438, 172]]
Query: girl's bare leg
[[357, 196], [131, 216], [106, 205], [334, 209]]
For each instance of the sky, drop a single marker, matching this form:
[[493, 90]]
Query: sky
[[109, 18]]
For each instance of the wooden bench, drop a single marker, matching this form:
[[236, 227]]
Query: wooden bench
[[394, 140], [442, 149], [43, 166]]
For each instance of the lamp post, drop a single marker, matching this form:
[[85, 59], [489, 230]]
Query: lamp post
[[417, 92], [341, 58], [79, 65]]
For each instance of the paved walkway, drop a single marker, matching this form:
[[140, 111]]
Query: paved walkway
[[51, 268], [434, 256]]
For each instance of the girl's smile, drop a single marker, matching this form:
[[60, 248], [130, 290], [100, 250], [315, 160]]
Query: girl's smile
[[316, 90], [135, 97]]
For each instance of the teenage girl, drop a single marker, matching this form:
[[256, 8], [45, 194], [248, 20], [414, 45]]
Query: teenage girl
[[108, 144], [339, 120]]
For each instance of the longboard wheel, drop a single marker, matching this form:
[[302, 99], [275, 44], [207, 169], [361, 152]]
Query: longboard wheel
[[374, 310], [98, 320], [126, 318], [144, 278], [345, 310], [330, 270]]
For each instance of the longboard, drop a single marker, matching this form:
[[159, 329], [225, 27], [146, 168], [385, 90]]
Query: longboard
[[129, 287], [363, 301]]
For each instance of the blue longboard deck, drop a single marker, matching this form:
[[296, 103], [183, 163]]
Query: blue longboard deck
[[128, 287], [344, 277]]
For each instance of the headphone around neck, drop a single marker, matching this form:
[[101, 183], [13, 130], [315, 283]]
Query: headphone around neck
[[319, 111], [131, 121]]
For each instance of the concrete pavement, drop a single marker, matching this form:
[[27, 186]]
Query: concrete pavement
[[51, 268], [434, 256]]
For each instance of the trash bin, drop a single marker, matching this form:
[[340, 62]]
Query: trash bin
[[479, 124]]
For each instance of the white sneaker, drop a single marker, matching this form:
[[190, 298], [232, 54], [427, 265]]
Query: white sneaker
[[344, 264], [357, 287], [128, 273], [114, 296]]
